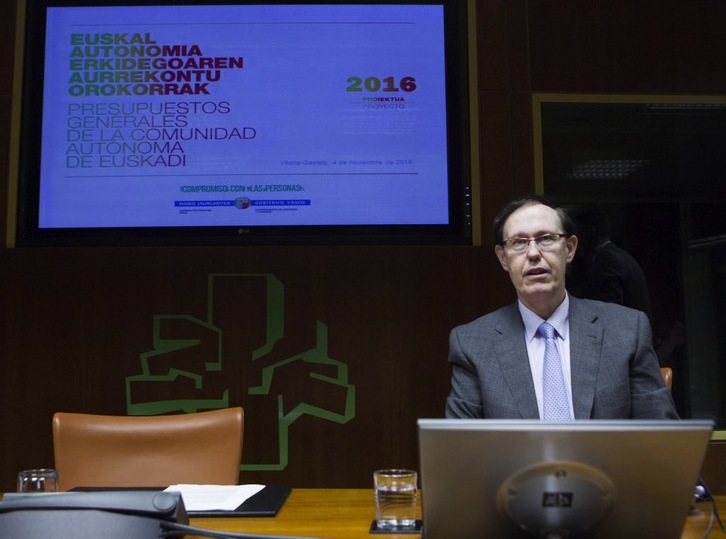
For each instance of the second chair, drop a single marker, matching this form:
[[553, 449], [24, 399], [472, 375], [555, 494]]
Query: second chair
[[148, 451]]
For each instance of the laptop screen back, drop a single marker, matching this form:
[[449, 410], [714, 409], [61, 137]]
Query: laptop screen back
[[594, 479]]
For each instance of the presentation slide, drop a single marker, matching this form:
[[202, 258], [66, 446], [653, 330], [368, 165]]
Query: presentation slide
[[166, 116]]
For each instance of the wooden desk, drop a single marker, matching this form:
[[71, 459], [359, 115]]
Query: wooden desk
[[347, 514], [320, 513], [697, 523]]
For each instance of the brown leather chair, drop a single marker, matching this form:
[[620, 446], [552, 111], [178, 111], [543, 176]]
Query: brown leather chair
[[667, 374], [148, 451]]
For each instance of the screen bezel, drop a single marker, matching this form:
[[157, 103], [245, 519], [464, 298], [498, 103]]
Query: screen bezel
[[462, 172]]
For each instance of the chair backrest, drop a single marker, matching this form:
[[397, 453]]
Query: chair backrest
[[667, 374], [148, 451]]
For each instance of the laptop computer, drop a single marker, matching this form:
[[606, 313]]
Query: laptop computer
[[594, 479]]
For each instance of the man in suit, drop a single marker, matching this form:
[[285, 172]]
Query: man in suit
[[608, 364]]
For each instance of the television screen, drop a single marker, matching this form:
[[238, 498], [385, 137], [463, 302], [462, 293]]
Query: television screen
[[244, 122]]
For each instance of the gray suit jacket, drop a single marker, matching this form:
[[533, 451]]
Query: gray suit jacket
[[615, 372]]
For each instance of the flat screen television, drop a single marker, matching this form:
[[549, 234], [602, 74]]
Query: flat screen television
[[244, 122]]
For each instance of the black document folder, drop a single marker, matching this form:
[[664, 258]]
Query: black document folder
[[266, 503]]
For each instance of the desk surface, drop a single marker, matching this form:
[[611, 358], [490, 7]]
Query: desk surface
[[698, 522], [320, 513], [347, 514]]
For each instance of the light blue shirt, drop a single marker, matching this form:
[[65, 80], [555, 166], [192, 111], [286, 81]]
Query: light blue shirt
[[560, 320]]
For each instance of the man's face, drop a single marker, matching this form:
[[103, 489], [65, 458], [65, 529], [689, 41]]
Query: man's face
[[538, 275]]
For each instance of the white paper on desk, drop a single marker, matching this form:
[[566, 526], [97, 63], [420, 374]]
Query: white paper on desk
[[214, 497]]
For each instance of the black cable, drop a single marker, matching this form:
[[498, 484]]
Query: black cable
[[710, 520], [174, 529], [704, 495], [718, 517]]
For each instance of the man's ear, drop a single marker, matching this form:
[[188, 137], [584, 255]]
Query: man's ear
[[502, 256], [571, 244]]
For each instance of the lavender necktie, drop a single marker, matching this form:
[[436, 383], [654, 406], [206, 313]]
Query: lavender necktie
[[555, 405]]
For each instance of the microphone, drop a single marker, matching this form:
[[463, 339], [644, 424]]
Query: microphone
[[700, 492]]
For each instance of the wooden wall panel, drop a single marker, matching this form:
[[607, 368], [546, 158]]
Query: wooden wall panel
[[505, 109], [5, 107], [7, 51], [493, 44], [503, 45], [75, 323], [607, 46]]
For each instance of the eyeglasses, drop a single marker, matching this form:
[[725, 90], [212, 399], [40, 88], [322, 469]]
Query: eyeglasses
[[544, 242]]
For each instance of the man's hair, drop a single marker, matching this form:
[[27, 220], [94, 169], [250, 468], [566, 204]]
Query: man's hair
[[568, 227]]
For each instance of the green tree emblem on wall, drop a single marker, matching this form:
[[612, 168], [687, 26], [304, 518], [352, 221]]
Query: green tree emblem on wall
[[230, 356]]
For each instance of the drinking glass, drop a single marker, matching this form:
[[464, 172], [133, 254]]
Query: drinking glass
[[395, 491], [40, 480]]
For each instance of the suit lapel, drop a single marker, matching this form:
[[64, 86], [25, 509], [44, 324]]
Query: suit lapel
[[585, 346], [514, 362]]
